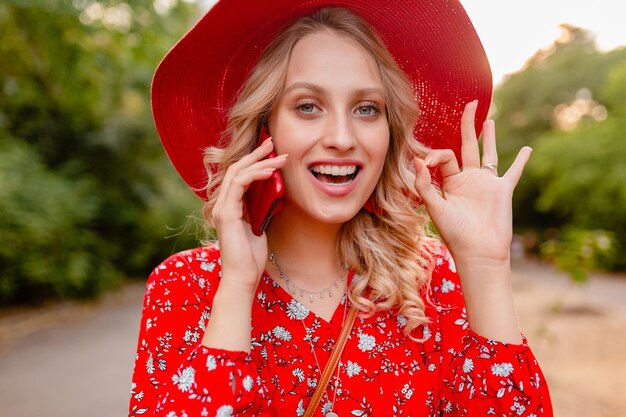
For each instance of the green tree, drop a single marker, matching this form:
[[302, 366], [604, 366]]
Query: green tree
[[569, 104], [74, 105]]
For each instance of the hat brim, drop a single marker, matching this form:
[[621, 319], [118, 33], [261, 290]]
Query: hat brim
[[195, 85]]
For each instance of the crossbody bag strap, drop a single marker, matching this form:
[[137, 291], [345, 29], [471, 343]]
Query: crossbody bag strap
[[332, 363]]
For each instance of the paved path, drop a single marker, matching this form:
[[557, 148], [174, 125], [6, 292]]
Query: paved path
[[75, 360], [71, 360]]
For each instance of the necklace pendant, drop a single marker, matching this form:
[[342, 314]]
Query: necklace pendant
[[331, 414]]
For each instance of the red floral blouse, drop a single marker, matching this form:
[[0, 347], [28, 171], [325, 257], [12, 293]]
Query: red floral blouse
[[454, 372]]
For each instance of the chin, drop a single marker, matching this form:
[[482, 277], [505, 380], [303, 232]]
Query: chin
[[337, 215]]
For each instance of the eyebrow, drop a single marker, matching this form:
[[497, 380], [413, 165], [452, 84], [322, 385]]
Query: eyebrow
[[320, 90]]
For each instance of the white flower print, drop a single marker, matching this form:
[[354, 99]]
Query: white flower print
[[311, 382], [298, 373], [296, 311], [300, 409], [366, 342], [327, 407], [171, 414], [191, 336], [185, 379], [282, 333], [468, 365], [503, 369], [463, 320], [427, 332], [401, 320], [432, 367], [261, 296], [353, 369], [518, 408], [179, 264], [203, 320], [207, 266], [150, 364], [162, 365], [447, 286], [224, 411], [407, 391], [211, 363], [248, 383], [451, 264]]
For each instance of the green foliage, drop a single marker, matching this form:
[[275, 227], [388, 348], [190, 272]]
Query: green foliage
[[569, 103], [581, 175], [74, 103], [38, 208], [579, 251]]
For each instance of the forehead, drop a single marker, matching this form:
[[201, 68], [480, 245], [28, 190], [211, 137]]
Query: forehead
[[332, 60]]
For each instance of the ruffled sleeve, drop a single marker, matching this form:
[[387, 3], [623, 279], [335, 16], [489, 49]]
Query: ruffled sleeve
[[174, 374], [480, 376]]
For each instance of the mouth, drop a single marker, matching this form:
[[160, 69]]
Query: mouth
[[335, 175]]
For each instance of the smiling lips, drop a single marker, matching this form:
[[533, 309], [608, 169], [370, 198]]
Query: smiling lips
[[335, 175]]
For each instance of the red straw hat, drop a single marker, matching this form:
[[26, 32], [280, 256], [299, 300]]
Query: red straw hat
[[195, 85]]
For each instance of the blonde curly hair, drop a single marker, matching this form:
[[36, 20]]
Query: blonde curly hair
[[391, 251]]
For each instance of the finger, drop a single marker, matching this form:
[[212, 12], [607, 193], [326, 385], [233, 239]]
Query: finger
[[428, 193], [469, 143], [445, 160], [517, 168], [231, 206], [259, 171], [248, 161], [490, 152], [255, 156], [258, 154]]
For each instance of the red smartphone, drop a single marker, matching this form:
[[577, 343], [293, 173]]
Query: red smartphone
[[263, 198]]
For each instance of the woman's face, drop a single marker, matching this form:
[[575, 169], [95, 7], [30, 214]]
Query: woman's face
[[331, 120]]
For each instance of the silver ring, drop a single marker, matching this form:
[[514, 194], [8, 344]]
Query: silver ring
[[492, 167]]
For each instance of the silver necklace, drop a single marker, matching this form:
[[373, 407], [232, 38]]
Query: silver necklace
[[309, 336], [293, 289]]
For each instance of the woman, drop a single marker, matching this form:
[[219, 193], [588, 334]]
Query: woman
[[247, 327]]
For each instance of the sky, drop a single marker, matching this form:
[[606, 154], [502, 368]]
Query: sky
[[511, 31]]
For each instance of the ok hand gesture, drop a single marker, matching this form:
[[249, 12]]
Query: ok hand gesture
[[473, 211]]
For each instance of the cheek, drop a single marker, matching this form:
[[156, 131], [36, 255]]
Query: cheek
[[379, 148]]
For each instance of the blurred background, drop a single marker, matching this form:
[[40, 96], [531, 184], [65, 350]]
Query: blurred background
[[89, 203]]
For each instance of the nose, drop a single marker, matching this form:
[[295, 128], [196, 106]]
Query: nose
[[340, 134]]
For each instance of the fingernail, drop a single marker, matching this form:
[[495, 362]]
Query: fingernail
[[283, 156]]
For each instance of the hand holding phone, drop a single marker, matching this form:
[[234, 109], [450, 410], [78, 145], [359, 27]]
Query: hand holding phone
[[263, 198]]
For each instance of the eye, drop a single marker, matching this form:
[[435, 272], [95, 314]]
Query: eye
[[368, 109], [306, 107]]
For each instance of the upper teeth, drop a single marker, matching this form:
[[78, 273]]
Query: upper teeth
[[334, 169]]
